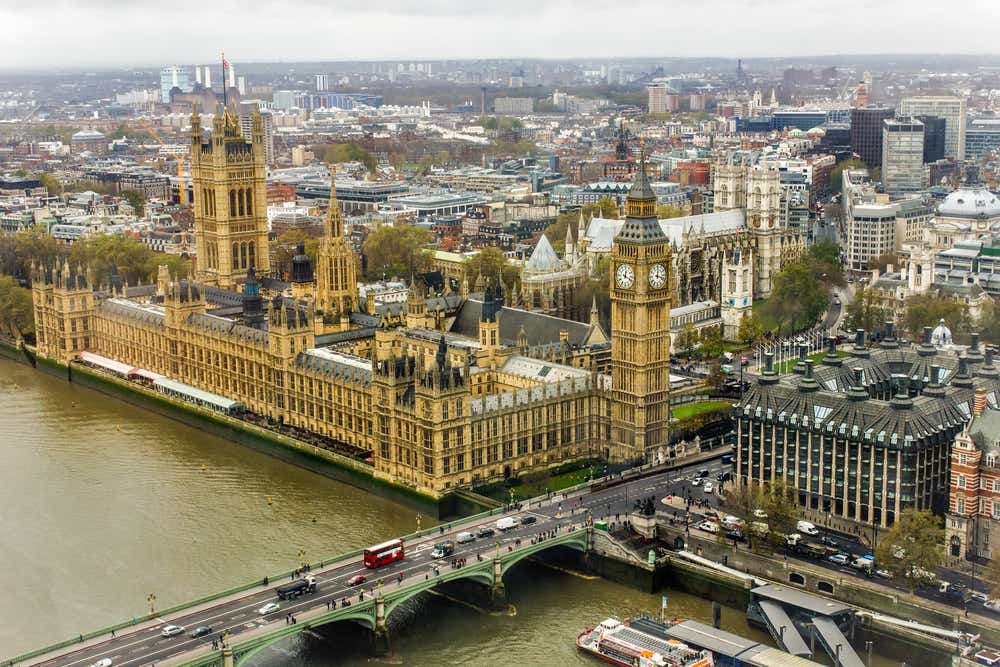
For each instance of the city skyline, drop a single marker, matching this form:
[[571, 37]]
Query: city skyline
[[147, 35]]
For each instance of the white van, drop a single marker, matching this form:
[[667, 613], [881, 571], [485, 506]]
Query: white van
[[506, 523], [807, 528], [462, 538]]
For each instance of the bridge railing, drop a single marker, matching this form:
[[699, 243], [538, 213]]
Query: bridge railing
[[597, 482]]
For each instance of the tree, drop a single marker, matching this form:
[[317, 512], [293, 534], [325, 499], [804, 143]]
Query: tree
[[781, 504], [866, 311], [687, 340], [927, 310], [346, 152], [912, 547], [750, 329], [597, 289], [712, 345], [664, 211], [50, 183], [798, 297], [989, 324], [491, 262], [715, 378], [397, 251], [136, 200], [836, 174], [16, 313], [283, 249], [35, 245]]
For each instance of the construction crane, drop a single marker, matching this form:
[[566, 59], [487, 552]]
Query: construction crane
[[181, 186]]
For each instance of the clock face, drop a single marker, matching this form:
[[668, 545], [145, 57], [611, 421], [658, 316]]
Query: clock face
[[625, 276], [657, 276]]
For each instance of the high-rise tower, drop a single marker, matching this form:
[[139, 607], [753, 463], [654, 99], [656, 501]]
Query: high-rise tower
[[230, 200], [640, 325], [336, 273]]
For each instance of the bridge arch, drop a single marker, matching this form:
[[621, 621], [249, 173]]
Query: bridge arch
[[362, 613]]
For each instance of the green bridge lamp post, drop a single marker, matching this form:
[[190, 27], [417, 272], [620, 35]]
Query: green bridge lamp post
[[302, 558], [151, 599], [418, 523]]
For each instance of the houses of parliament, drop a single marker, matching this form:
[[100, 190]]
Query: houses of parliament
[[445, 391]]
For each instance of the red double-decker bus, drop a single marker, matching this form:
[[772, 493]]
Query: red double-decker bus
[[385, 553]]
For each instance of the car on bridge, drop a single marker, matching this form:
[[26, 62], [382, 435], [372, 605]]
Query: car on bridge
[[269, 608], [200, 631], [171, 630], [708, 526], [838, 559], [103, 662], [485, 532], [528, 520], [357, 580]]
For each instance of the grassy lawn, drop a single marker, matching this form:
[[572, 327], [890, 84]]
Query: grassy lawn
[[787, 365], [529, 488], [687, 410]]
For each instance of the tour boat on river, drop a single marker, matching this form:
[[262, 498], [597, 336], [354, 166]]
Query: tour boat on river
[[620, 644]]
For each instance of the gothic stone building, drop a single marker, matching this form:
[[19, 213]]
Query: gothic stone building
[[450, 394], [721, 261]]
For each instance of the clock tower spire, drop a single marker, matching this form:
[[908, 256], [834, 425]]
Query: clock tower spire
[[640, 326]]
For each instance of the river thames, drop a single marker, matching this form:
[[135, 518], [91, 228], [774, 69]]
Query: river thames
[[103, 504]]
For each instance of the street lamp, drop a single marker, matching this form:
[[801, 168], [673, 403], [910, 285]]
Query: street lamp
[[418, 523], [302, 557], [151, 599]]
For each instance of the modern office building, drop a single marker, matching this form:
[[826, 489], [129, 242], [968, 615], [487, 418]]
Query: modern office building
[[866, 132], [657, 97], [246, 127], [514, 105], [173, 77], [322, 83], [949, 107], [982, 136], [862, 438], [903, 155], [934, 131]]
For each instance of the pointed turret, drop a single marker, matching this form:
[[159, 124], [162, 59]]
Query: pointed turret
[[570, 254], [595, 316]]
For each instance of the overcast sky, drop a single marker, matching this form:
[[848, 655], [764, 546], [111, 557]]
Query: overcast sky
[[42, 33]]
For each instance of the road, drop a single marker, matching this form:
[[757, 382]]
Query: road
[[144, 646]]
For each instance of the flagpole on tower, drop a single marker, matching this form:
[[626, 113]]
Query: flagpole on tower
[[225, 92]]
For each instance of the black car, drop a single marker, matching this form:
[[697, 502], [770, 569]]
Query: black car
[[200, 631], [485, 532], [528, 520], [703, 474], [829, 541]]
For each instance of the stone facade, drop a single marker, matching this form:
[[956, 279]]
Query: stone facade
[[230, 200]]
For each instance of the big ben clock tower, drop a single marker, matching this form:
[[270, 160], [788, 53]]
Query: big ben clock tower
[[640, 331]]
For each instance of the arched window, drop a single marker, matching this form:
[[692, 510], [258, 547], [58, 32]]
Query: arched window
[[234, 260], [250, 253], [242, 197], [243, 255], [249, 201], [232, 203]]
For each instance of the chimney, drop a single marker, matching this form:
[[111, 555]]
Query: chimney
[[809, 369], [859, 380], [890, 329], [975, 342], [979, 403], [803, 351], [831, 345], [859, 338], [769, 362], [927, 335]]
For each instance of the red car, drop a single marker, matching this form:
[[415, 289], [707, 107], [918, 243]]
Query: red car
[[357, 580]]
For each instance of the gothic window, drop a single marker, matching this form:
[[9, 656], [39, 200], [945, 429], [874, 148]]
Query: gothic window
[[241, 198], [249, 201], [235, 257], [232, 203], [250, 255], [243, 255]]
